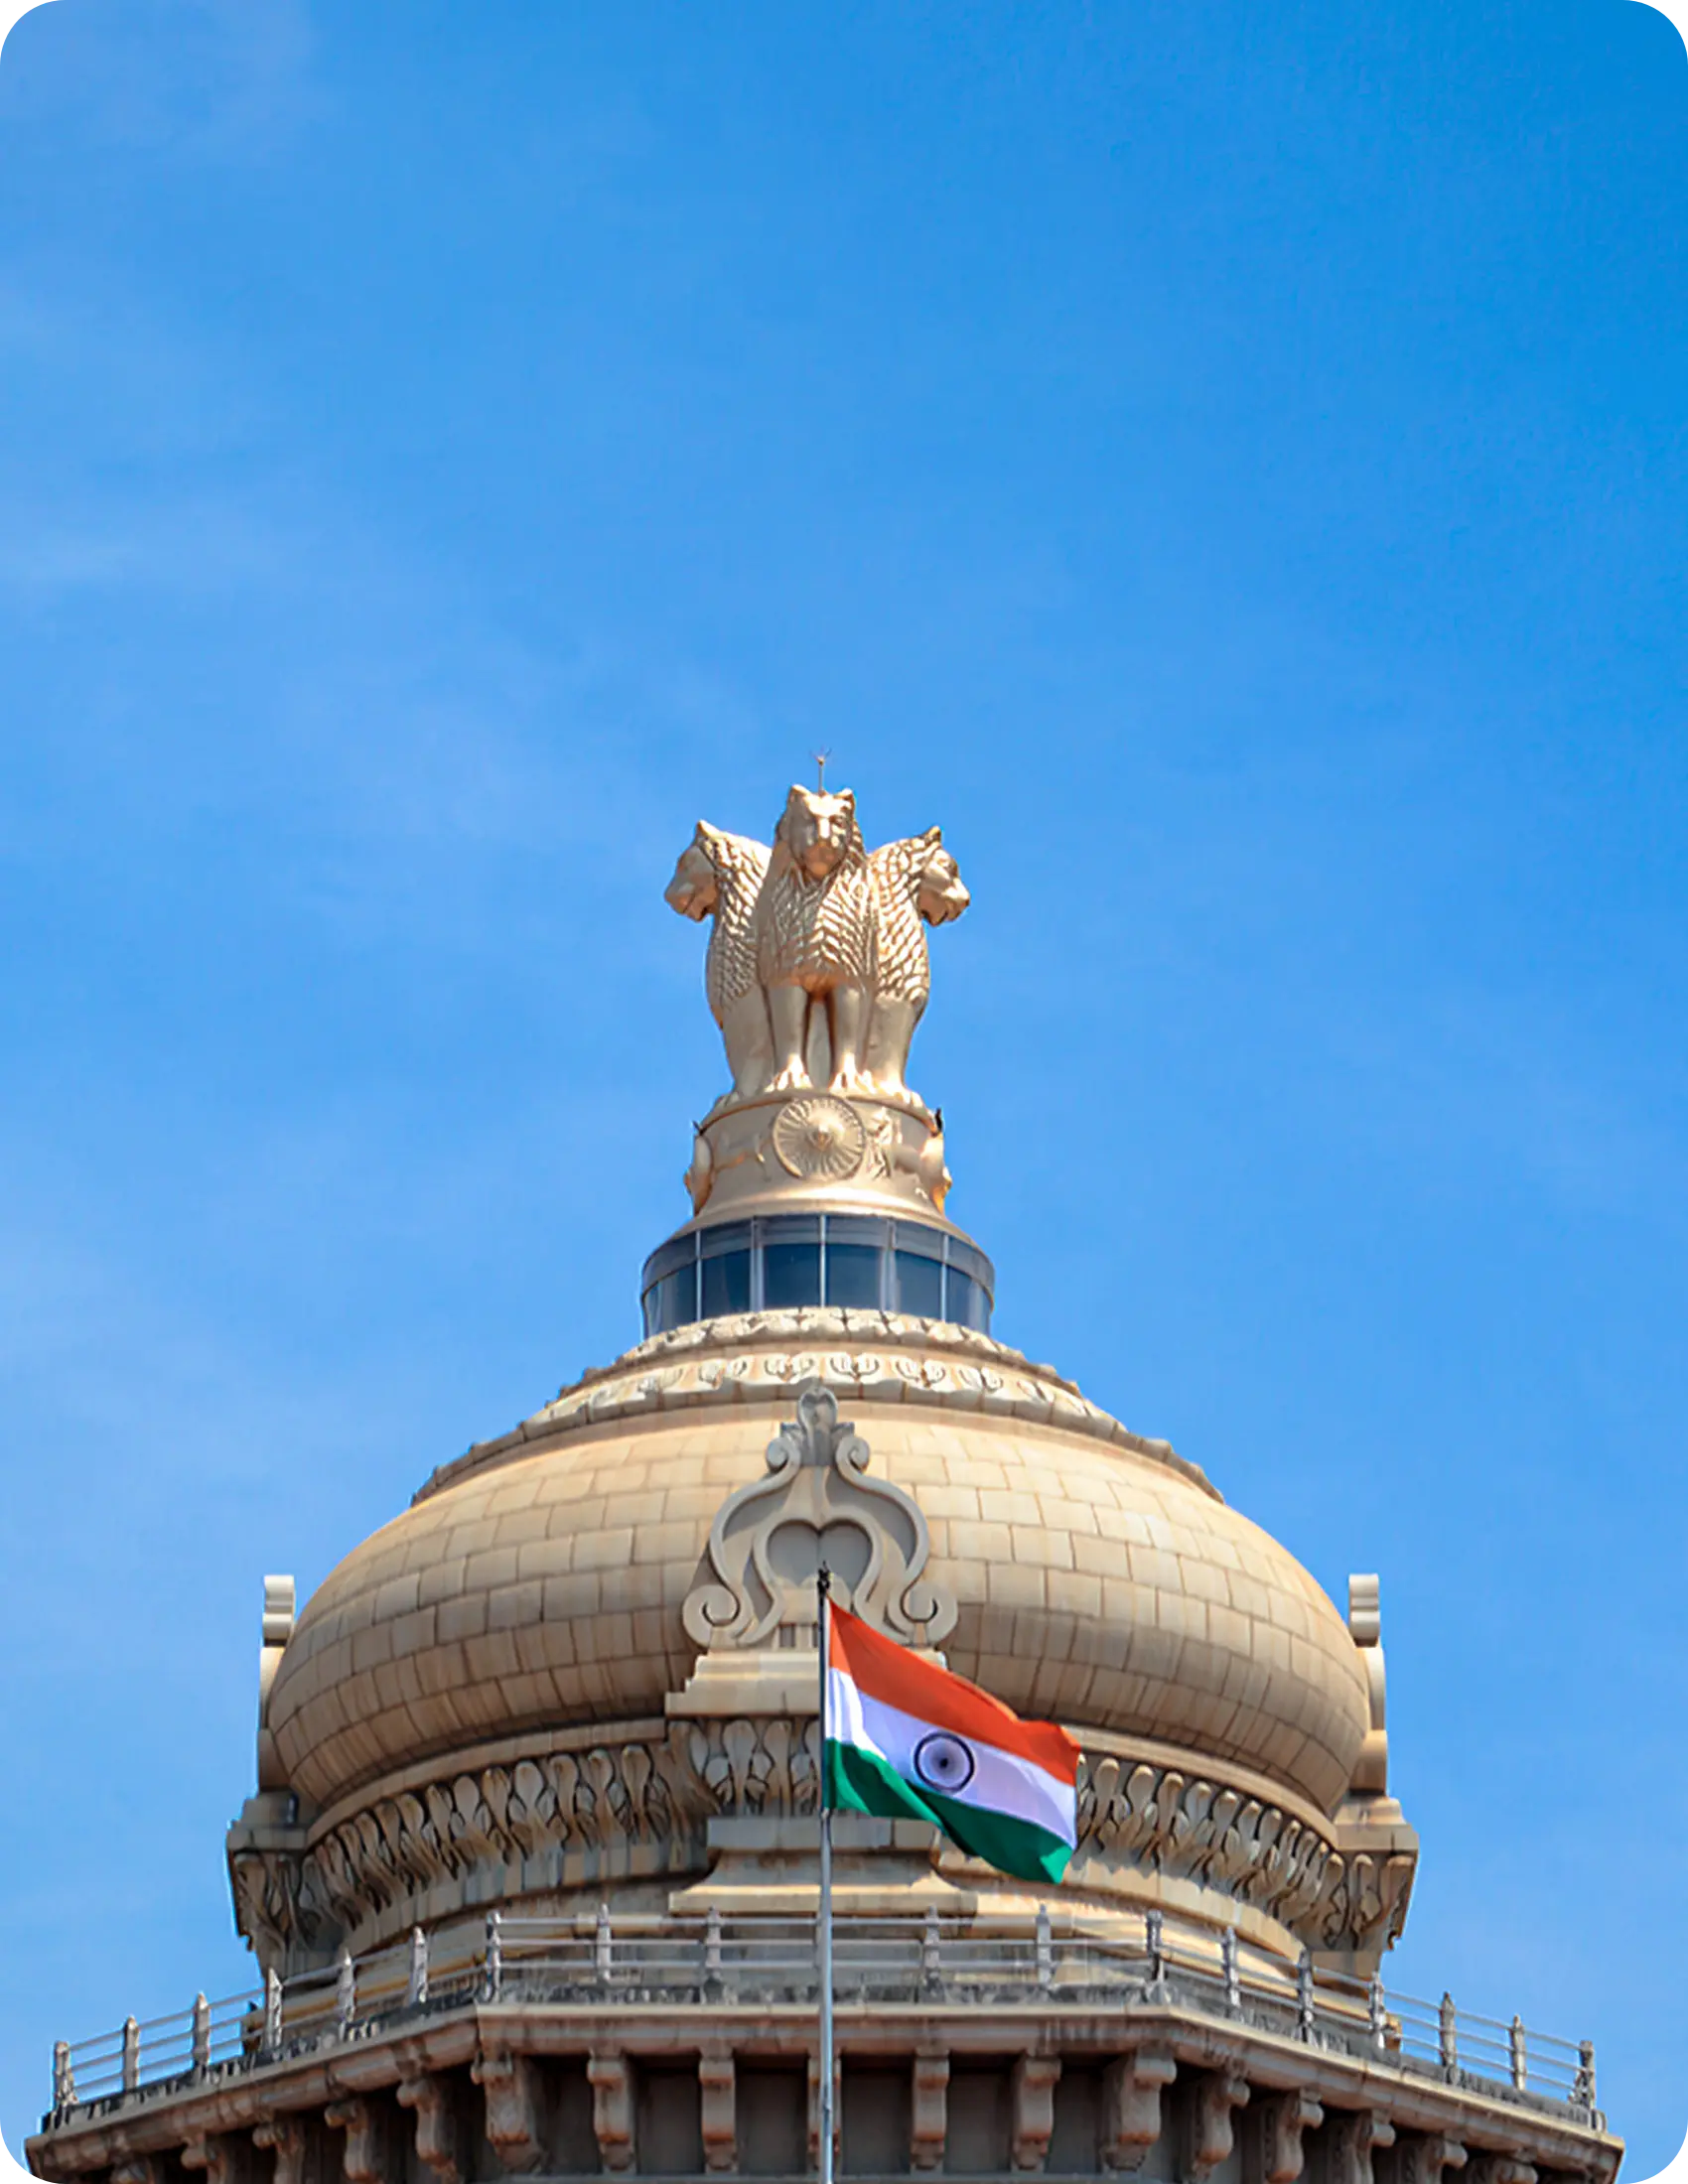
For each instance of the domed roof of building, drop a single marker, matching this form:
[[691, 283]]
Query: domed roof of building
[[585, 1655], [1097, 1580]]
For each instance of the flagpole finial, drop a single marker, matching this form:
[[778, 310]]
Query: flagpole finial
[[820, 757]]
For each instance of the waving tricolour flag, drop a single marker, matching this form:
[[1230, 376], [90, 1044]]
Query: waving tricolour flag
[[907, 1740]]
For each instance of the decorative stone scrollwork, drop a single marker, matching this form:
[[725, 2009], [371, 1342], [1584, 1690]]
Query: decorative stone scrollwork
[[1365, 1907], [770, 1766], [1205, 1831], [816, 1503]]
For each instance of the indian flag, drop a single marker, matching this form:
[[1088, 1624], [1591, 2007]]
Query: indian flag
[[906, 1740]]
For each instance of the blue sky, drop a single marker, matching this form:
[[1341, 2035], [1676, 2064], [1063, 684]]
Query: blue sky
[[1226, 463]]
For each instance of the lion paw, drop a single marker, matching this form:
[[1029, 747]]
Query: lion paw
[[795, 1079]]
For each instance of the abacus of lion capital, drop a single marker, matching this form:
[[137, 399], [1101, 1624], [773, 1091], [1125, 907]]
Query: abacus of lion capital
[[531, 1868]]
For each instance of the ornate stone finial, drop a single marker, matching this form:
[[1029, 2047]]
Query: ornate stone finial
[[1365, 1624], [280, 1607], [755, 1592]]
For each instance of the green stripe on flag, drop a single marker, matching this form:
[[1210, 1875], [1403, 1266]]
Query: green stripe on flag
[[862, 1782]]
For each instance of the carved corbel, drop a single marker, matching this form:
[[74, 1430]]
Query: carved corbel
[[1425, 2160], [138, 2168], [1353, 2140], [1284, 2124], [613, 2109], [1132, 2085], [1033, 2093], [1501, 2168], [364, 2160], [438, 2145], [217, 2155], [928, 2110], [1212, 2135], [516, 2108], [285, 2134], [718, 2108]]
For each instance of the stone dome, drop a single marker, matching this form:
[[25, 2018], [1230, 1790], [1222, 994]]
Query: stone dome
[[585, 1661], [1097, 1578]]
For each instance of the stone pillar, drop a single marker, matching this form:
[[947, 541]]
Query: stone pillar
[[1132, 2085], [1284, 2123], [929, 2108], [613, 2109], [1213, 2133], [718, 2105], [1032, 2123], [516, 2108]]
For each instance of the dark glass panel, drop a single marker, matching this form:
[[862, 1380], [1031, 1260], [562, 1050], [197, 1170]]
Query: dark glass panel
[[730, 1236], [852, 1272], [791, 1228], [790, 1274], [922, 1243], [857, 1228], [726, 1285], [919, 1287], [678, 1299], [680, 1253]]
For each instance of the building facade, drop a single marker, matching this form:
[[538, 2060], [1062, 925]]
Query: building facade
[[531, 1867]]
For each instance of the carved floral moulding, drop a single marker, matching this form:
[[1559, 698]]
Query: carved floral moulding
[[599, 1804], [863, 1355]]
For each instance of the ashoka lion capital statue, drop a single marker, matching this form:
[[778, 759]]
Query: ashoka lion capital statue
[[817, 970]]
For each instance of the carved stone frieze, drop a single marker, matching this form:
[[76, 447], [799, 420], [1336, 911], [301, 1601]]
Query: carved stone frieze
[[640, 1802], [1201, 1828], [1363, 1906], [760, 1357]]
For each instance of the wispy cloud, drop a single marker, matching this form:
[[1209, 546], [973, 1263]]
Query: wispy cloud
[[198, 80]]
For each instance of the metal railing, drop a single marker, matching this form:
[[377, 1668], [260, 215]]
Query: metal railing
[[765, 1962]]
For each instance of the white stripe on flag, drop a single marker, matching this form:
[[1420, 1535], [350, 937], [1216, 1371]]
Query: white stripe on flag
[[1000, 1783]]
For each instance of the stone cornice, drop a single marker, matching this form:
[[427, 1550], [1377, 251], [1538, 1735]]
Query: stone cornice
[[159, 2123], [869, 1357]]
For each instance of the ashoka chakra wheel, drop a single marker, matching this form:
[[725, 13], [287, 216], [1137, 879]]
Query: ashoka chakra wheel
[[820, 1138]]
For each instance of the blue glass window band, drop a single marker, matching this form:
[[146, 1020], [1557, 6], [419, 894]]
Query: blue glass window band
[[792, 1260]]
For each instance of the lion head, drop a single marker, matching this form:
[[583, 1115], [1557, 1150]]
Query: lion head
[[940, 891], [695, 887], [818, 831]]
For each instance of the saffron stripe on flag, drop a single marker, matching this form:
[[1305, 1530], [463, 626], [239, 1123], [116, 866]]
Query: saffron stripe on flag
[[917, 1688], [1002, 1782]]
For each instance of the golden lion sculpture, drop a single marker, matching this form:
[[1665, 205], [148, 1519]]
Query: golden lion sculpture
[[818, 969]]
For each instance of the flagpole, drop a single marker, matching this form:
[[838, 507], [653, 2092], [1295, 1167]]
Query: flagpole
[[823, 1597]]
